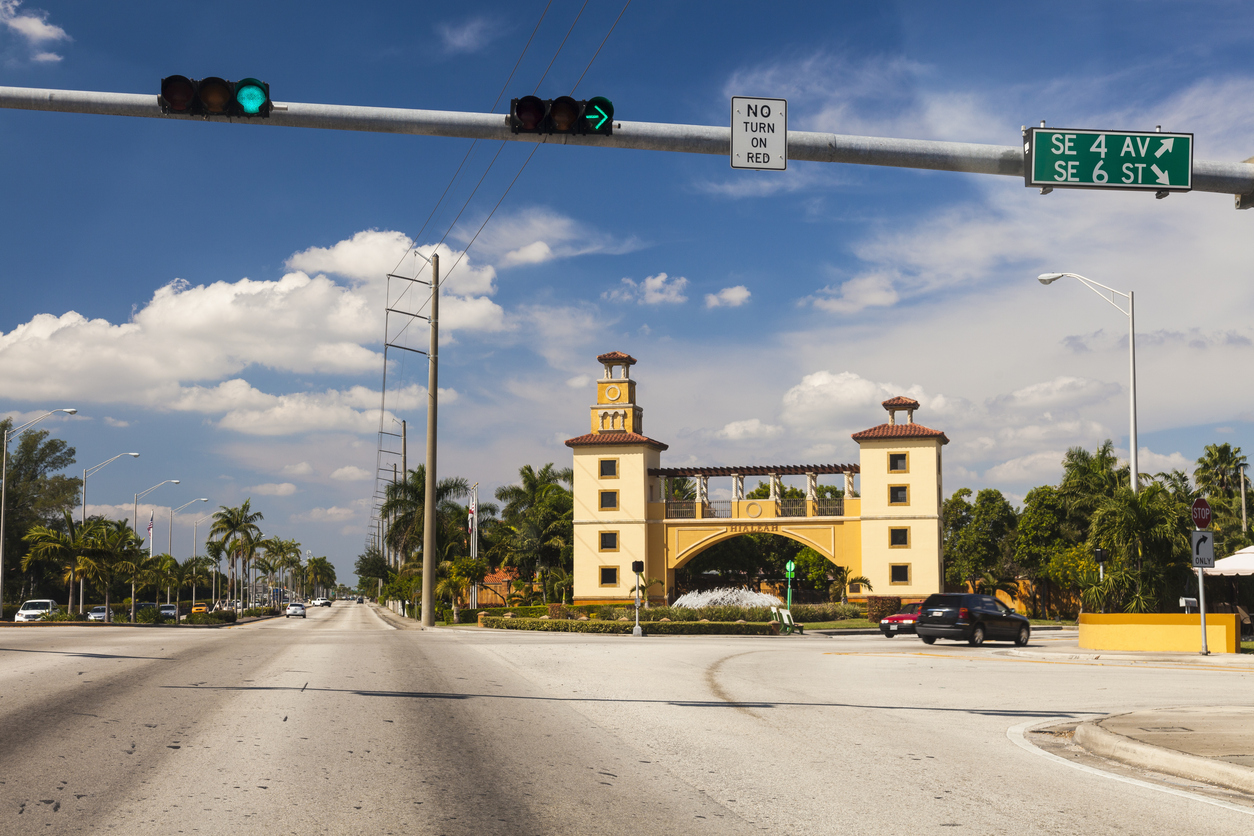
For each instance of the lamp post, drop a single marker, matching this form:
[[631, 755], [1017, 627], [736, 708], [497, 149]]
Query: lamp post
[[4, 486], [89, 471], [138, 497], [174, 511], [1130, 313]]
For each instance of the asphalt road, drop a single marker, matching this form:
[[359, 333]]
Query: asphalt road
[[340, 724]]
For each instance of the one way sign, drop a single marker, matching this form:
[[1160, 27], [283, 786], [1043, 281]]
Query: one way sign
[[1203, 550]]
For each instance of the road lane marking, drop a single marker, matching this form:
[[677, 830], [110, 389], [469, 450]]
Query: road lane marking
[[1016, 735]]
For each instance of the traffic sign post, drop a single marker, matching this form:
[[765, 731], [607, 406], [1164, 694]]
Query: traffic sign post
[[759, 133], [1063, 158], [791, 571], [1203, 558], [1201, 513]]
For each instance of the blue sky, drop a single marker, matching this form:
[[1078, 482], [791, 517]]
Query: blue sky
[[211, 295]]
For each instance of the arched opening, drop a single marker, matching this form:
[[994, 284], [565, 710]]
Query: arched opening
[[758, 561]]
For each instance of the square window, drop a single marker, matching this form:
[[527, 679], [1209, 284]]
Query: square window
[[609, 576], [898, 538], [898, 495], [609, 500], [609, 541], [899, 573], [897, 463], [609, 468]]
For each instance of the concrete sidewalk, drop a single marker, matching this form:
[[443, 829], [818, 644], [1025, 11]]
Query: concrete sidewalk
[[1214, 744], [1061, 646]]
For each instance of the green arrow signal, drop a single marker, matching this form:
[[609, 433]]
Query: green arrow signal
[[601, 115]]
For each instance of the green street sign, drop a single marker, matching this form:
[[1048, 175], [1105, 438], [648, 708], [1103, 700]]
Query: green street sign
[[1063, 158], [791, 567]]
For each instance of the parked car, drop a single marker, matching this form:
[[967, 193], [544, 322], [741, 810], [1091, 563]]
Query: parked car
[[170, 611], [201, 607], [295, 608], [97, 614], [322, 602], [970, 618], [900, 622], [34, 610]]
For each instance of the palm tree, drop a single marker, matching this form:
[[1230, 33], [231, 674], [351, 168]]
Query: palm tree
[[1148, 527], [535, 485], [1218, 472], [214, 551], [320, 574], [405, 505], [59, 549], [451, 587], [237, 528], [113, 548], [267, 565], [842, 580], [165, 572], [195, 571]]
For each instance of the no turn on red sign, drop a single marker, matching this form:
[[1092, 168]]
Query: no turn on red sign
[[1201, 513]]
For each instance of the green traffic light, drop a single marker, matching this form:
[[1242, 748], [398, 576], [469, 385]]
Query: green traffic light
[[250, 96], [599, 112]]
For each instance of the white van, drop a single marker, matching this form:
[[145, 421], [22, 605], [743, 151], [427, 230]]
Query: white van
[[34, 610]]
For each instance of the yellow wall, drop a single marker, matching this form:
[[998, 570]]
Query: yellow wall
[[1173, 632], [921, 516], [629, 520]]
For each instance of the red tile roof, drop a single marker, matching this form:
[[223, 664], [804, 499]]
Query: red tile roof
[[900, 402], [616, 357], [599, 439], [900, 431]]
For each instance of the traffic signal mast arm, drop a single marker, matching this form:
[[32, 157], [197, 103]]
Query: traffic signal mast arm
[[1007, 160]]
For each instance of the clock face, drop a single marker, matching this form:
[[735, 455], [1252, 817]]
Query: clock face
[[612, 393]]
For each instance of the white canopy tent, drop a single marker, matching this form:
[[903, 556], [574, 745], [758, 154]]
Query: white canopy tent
[[1240, 563]]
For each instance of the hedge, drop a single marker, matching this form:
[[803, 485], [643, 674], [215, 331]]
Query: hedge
[[653, 628]]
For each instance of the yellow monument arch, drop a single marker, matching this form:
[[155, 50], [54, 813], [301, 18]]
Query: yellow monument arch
[[891, 532]]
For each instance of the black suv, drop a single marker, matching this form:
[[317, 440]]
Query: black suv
[[970, 617]]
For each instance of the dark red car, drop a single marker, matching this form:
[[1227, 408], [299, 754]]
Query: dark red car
[[900, 622]]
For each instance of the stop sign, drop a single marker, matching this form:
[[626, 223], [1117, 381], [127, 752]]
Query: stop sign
[[1201, 513]]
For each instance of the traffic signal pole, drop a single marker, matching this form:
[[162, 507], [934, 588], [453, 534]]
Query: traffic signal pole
[[1007, 160]]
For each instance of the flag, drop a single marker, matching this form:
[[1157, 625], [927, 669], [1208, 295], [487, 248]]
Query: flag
[[470, 518], [150, 513]]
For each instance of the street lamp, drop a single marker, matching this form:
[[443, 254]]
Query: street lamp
[[196, 548], [82, 583], [174, 511], [4, 486], [1050, 278]]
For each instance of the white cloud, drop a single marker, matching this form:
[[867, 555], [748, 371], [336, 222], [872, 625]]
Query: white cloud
[[272, 489], [1037, 468], [538, 234], [333, 514], [728, 297], [750, 430], [115, 422], [298, 469], [351, 473], [873, 290], [33, 27], [654, 290], [469, 36], [1147, 461], [579, 381]]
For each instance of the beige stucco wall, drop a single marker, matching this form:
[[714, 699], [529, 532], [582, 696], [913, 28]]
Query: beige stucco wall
[[921, 515], [629, 520]]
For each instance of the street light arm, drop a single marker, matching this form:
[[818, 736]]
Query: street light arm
[[89, 471], [1092, 285]]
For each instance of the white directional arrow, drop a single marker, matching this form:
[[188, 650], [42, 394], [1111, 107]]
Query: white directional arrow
[[1162, 175], [1165, 147]]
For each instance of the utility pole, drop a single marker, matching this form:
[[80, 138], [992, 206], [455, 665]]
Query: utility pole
[[428, 515], [1243, 528]]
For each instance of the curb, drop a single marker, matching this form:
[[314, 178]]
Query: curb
[[1097, 740], [1230, 659]]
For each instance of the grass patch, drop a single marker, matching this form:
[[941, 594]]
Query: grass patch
[[1247, 647], [846, 624]]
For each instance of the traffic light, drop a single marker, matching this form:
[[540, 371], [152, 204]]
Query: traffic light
[[563, 115], [215, 96]]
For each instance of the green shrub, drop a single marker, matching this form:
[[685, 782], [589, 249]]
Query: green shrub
[[201, 618], [151, 615], [224, 616], [64, 616], [881, 606], [259, 612], [825, 612]]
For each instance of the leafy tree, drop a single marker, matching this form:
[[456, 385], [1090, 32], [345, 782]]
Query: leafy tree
[[60, 550], [404, 504], [1039, 537], [843, 581], [1219, 474], [372, 566], [114, 550], [1087, 479], [985, 543], [36, 493]]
